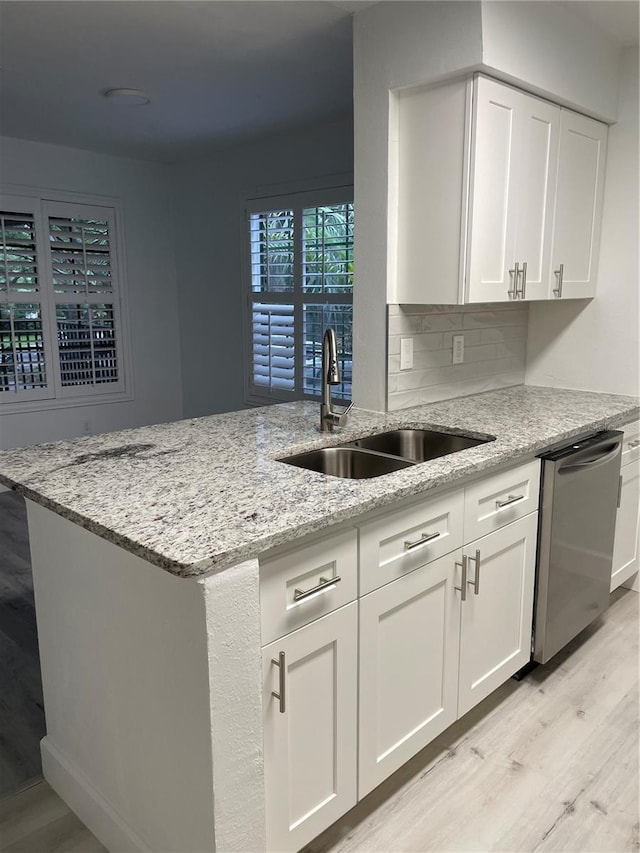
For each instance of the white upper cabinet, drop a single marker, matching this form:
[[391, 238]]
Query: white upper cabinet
[[496, 189], [578, 210], [513, 183]]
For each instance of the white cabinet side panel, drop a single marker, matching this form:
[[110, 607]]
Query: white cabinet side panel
[[626, 558], [123, 651], [431, 192]]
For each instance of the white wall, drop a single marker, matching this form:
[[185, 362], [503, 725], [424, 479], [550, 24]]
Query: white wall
[[395, 44], [553, 52], [209, 225], [145, 191], [539, 45], [593, 345]]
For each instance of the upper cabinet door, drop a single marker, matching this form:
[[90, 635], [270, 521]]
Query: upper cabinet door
[[578, 210], [539, 132], [493, 193]]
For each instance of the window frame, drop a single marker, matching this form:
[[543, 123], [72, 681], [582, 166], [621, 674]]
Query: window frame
[[297, 197], [43, 203]]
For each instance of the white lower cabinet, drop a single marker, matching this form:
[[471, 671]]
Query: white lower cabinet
[[353, 694], [409, 635], [495, 631], [626, 548], [310, 728]]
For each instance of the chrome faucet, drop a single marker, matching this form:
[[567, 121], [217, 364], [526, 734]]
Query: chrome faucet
[[330, 376]]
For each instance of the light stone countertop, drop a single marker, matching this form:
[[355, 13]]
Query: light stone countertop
[[197, 496]]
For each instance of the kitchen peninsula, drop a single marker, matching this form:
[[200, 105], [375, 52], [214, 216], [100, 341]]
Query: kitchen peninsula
[[147, 546]]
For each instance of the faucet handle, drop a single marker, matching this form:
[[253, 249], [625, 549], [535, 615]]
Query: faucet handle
[[343, 414]]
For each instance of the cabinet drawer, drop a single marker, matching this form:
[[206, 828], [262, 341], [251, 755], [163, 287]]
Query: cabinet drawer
[[631, 443], [498, 500], [402, 541], [296, 587]]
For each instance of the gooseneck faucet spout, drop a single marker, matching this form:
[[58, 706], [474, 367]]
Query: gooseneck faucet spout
[[330, 376]]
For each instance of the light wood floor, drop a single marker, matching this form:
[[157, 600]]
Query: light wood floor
[[21, 706], [547, 764]]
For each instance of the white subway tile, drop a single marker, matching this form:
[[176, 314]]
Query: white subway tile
[[393, 364], [426, 359], [511, 349], [427, 341], [405, 324], [479, 353], [441, 322], [394, 345], [403, 401]]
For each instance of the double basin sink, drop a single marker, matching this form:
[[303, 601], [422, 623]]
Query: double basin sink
[[384, 452]]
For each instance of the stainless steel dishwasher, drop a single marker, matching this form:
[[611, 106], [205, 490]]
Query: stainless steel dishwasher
[[580, 492]]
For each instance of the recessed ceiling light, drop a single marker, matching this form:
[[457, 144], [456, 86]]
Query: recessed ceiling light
[[128, 97]]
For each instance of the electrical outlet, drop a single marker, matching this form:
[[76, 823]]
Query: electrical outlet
[[406, 353], [458, 349]]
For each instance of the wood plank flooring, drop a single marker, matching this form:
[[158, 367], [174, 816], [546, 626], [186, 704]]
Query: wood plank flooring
[[22, 722], [549, 765]]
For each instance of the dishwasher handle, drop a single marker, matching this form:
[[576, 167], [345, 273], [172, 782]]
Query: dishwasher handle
[[593, 463]]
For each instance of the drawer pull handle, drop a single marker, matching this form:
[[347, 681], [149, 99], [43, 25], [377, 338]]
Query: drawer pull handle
[[475, 583], [280, 662], [511, 499], [513, 275], [560, 275], [325, 583], [426, 537], [635, 443], [524, 282], [463, 580]]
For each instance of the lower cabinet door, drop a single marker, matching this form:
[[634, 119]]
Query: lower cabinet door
[[495, 630], [409, 635], [310, 737], [626, 543]]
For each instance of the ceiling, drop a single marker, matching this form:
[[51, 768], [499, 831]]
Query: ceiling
[[216, 72]]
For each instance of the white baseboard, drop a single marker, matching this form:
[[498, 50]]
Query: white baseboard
[[633, 582], [70, 784]]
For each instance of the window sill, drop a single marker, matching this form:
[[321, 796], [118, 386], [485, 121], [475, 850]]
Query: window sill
[[26, 407]]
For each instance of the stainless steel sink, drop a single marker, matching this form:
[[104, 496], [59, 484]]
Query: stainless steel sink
[[418, 445], [348, 462]]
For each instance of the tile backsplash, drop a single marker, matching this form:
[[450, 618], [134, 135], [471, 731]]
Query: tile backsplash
[[495, 343]]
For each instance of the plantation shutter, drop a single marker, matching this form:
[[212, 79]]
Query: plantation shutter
[[24, 352], [300, 282], [84, 281], [273, 346]]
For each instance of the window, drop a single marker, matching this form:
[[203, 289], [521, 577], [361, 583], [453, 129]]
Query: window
[[300, 282], [60, 311]]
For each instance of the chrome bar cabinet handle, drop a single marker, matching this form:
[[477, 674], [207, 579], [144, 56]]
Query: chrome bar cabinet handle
[[560, 274], [426, 537], [325, 583], [511, 499], [280, 696], [475, 583], [463, 580], [514, 273], [524, 280]]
